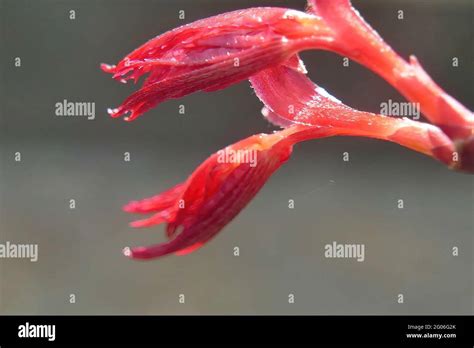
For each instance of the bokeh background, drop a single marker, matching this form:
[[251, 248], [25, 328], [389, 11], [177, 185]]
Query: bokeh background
[[407, 250]]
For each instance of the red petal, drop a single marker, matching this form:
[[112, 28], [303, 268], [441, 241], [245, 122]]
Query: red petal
[[218, 190], [156, 203]]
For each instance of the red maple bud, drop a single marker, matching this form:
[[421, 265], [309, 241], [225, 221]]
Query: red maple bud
[[196, 210], [214, 194], [213, 53]]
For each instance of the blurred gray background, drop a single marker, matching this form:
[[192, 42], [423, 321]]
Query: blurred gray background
[[407, 251]]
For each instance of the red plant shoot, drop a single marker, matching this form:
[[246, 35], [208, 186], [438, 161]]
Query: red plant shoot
[[261, 44], [213, 53]]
